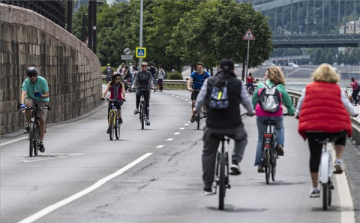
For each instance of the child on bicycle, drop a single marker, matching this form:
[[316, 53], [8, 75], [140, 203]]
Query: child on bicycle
[[117, 92], [323, 110]]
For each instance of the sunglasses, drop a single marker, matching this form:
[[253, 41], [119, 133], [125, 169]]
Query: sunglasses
[[144, 65], [34, 75]]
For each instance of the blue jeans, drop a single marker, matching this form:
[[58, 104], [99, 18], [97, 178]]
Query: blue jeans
[[279, 129]]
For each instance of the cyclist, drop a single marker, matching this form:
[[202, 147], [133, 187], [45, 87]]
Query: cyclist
[[35, 89], [250, 80], [324, 110], [273, 76], [143, 82], [108, 72], [194, 84], [226, 121], [117, 92]]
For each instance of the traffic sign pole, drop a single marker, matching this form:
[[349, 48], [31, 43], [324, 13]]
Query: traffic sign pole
[[141, 27], [247, 58]]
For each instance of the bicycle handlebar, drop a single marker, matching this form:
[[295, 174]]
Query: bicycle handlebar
[[32, 108]]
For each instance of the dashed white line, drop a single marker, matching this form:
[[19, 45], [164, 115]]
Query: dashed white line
[[159, 146], [12, 141], [182, 98], [176, 133], [74, 197], [169, 139], [182, 128], [186, 124]]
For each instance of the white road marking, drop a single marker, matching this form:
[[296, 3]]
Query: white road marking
[[170, 139], [12, 141], [176, 133], [346, 203], [190, 102], [172, 95], [159, 146], [50, 157], [96, 185], [186, 124], [177, 96], [182, 98], [182, 128]]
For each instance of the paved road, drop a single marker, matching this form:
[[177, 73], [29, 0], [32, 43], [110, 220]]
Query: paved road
[[151, 175]]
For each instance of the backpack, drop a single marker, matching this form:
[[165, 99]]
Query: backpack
[[269, 99], [219, 99]]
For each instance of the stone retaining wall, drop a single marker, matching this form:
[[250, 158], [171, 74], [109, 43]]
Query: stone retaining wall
[[72, 70]]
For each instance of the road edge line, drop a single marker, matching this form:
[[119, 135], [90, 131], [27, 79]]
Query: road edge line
[[347, 216], [78, 195]]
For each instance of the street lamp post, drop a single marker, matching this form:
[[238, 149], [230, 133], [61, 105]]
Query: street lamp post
[[300, 29], [141, 27], [307, 27]]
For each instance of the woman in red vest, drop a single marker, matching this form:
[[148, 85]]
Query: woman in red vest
[[323, 111]]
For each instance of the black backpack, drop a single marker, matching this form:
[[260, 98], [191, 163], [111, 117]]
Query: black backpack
[[218, 98], [269, 99]]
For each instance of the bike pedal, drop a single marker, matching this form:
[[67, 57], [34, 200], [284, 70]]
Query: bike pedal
[[332, 187], [228, 186]]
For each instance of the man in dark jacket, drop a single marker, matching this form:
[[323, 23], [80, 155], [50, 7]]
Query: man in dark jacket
[[226, 121], [143, 83]]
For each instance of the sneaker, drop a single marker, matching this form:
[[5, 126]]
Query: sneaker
[[280, 150], [108, 131], [261, 169], [120, 121], [192, 119], [27, 128], [147, 121], [208, 191], [204, 114], [235, 169], [136, 111], [41, 147], [339, 166], [314, 193]]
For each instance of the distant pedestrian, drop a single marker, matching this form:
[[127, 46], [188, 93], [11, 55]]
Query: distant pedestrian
[[355, 86], [161, 76]]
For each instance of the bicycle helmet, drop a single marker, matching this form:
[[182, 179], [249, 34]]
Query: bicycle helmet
[[31, 71]]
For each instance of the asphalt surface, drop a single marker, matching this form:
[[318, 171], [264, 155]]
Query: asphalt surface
[[165, 185]]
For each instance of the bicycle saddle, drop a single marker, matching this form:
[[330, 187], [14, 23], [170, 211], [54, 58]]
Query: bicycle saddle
[[270, 122]]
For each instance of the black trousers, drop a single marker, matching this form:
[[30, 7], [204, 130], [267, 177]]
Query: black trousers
[[146, 94]]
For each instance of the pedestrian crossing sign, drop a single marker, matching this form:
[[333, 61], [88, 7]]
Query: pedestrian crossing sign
[[140, 52], [248, 35]]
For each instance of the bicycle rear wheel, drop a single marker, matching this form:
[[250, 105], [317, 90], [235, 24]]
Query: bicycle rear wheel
[[222, 185], [273, 165], [198, 120], [36, 138], [325, 195], [112, 125], [117, 131], [267, 166]]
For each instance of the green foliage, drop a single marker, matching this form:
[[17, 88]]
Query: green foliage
[[175, 75], [178, 33]]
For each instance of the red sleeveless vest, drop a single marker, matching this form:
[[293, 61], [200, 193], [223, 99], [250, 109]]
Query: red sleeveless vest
[[323, 111]]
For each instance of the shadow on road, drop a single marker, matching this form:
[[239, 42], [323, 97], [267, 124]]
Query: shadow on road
[[232, 208]]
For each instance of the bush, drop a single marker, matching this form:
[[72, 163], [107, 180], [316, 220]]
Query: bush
[[175, 75]]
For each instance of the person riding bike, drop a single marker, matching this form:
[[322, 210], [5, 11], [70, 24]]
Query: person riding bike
[[323, 110], [117, 92], [108, 72], [35, 90], [250, 80], [225, 121], [274, 77], [143, 82], [194, 84]]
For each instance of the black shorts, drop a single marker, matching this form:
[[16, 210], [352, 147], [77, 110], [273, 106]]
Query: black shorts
[[194, 94], [116, 103]]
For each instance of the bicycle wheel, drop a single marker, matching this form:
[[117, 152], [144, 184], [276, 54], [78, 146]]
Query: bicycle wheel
[[142, 116], [117, 131], [273, 165], [36, 139], [112, 125], [325, 195], [31, 139], [222, 185], [198, 120], [330, 196], [267, 165]]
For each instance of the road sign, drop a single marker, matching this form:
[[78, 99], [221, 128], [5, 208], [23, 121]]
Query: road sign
[[127, 57], [248, 35], [140, 52], [127, 51]]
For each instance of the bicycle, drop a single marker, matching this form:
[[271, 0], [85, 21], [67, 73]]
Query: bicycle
[[142, 107], [34, 132], [222, 169], [114, 126], [270, 156], [326, 169]]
